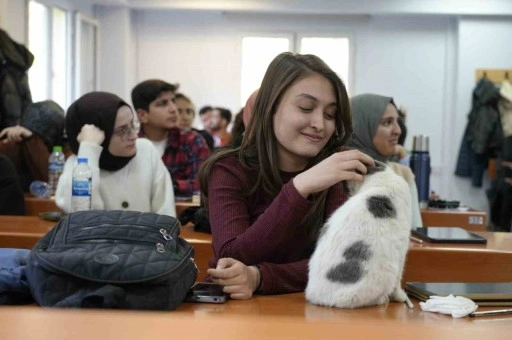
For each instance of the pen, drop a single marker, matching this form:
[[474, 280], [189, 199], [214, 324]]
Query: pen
[[415, 239], [408, 302], [492, 312]]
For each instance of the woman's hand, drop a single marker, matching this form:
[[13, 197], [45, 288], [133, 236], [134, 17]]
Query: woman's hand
[[400, 151], [90, 133], [342, 166], [239, 280], [15, 134]]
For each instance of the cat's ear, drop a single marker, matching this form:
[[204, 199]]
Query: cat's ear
[[379, 166]]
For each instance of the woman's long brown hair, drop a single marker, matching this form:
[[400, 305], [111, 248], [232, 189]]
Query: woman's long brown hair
[[259, 148]]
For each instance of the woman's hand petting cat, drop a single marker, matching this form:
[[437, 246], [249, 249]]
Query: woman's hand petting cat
[[239, 280], [92, 134], [347, 165]]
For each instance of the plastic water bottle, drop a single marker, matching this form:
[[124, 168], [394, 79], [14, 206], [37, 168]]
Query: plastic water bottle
[[55, 168], [81, 186], [40, 189], [420, 166]]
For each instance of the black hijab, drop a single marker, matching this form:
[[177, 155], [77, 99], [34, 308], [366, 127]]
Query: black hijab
[[99, 109]]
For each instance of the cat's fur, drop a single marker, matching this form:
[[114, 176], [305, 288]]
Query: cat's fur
[[360, 255]]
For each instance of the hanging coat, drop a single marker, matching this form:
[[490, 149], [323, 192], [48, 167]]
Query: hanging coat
[[15, 60], [483, 136]]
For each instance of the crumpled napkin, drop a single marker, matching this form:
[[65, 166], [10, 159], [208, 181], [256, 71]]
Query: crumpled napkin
[[457, 306]]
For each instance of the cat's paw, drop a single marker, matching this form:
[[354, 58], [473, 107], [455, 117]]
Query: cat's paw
[[398, 295]]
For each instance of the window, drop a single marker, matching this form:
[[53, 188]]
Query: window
[[86, 52], [48, 40], [258, 52], [333, 51]]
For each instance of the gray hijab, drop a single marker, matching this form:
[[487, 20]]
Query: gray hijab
[[367, 110]]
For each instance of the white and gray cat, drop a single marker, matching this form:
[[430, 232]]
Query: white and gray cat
[[360, 255]]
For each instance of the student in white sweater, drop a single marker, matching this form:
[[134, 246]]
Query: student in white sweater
[[128, 173]]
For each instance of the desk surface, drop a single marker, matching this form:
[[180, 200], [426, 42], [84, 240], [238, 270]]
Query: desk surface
[[263, 317], [426, 262], [35, 205], [472, 220]]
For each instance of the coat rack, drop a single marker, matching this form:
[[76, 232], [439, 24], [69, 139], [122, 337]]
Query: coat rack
[[495, 75]]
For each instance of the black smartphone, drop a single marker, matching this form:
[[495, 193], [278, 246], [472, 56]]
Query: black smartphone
[[206, 292]]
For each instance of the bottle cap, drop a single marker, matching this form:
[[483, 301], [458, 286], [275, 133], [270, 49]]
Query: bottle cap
[[57, 148], [420, 143], [81, 160]]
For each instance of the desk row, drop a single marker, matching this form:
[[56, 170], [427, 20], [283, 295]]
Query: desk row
[[491, 262]]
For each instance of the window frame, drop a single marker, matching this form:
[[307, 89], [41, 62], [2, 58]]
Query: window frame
[[77, 60]]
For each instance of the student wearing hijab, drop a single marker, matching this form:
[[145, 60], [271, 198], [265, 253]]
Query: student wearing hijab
[[376, 132], [128, 173]]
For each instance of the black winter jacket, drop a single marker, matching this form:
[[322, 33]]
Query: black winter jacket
[[15, 96], [483, 136]]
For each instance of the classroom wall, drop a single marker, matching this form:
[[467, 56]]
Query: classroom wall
[[13, 19], [117, 48], [404, 57], [426, 61]]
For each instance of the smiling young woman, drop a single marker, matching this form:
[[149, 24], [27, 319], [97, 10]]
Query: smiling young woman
[[376, 133], [268, 198]]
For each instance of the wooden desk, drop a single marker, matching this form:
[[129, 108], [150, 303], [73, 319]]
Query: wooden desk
[[182, 205], [35, 205], [425, 262], [22, 231], [436, 262], [471, 220], [262, 317]]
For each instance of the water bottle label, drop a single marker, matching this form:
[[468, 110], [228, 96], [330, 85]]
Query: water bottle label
[[81, 188], [55, 166]]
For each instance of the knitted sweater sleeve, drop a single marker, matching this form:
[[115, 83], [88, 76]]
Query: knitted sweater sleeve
[[234, 236]]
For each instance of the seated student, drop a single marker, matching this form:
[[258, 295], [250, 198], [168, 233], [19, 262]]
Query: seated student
[[12, 201], [268, 198], [376, 133], [237, 132], [29, 144], [219, 121], [186, 113], [182, 151], [127, 171], [205, 114]]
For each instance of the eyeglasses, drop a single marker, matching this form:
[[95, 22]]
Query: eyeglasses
[[125, 131]]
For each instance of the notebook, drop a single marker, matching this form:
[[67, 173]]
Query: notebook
[[447, 235], [483, 294]]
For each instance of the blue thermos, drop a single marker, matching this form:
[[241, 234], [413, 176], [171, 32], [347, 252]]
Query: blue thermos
[[420, 166]]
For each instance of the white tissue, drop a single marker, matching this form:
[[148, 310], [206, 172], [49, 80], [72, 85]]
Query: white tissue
[[457, 306]]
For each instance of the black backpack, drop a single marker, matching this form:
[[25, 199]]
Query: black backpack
[[112, 259]]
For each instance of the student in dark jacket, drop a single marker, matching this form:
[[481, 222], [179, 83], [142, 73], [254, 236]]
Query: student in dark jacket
[[15, 60], [29, 144], [12, 201]]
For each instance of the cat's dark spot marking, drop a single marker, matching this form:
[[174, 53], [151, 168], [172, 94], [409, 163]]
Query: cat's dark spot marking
[[381, 207], [358, 251], [350, 271]]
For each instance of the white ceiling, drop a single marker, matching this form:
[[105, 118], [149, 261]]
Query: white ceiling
[[352, 7]]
